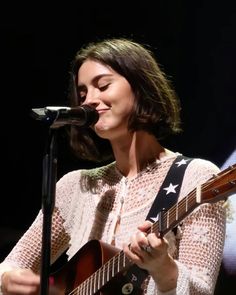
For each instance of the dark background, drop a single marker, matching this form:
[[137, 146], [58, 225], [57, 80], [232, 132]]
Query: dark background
[[194, 41]]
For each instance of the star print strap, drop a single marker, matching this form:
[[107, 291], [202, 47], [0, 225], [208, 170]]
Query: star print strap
[[165, 198], [169, 191]]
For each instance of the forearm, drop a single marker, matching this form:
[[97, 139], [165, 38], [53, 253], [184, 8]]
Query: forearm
[[166, 279]]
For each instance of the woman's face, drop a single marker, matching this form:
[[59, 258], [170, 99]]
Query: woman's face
[[111, 95]]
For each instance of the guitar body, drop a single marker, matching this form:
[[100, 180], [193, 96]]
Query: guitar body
[[84, 264]]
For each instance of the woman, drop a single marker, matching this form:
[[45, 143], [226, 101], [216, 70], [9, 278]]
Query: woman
[[137, 108]]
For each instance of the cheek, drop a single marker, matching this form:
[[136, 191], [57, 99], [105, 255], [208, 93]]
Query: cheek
[[128, 108], [124, 107], [122, 98], [121, 113]]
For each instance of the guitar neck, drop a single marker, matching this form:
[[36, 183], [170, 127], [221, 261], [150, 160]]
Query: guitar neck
[[217, 188], [168, 219]]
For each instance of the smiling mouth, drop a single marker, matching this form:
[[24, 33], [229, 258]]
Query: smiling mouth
[[102, 111]]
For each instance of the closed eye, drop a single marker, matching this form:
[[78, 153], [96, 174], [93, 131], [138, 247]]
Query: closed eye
[[104, 87], [82, 92]]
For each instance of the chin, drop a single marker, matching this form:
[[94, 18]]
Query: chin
[[102, 130]]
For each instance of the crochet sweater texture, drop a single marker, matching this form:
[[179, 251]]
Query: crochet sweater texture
[[90, 202]]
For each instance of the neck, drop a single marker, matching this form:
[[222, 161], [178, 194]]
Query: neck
[[135, 153]]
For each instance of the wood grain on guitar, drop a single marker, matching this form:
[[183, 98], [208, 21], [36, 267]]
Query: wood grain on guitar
[[101, 269]]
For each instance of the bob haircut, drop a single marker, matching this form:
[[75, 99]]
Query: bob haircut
[[156, 107]]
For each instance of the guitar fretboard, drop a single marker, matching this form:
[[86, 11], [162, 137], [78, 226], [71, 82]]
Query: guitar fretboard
[[172, 217]]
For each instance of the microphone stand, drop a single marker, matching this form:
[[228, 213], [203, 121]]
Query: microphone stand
[[56, 117], [48, 203]]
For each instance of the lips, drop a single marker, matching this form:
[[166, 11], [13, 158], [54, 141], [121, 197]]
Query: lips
[[100, 111]]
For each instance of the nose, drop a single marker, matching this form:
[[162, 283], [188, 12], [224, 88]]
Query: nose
[[92, 97]]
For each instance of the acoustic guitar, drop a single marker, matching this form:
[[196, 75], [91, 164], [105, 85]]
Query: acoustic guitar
[[101, 269]]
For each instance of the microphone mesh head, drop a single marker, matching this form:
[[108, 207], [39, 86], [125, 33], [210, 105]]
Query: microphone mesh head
[[91, 115]]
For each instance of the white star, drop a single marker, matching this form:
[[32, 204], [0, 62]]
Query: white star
[[170, 189], [155, 218], [182, 162]]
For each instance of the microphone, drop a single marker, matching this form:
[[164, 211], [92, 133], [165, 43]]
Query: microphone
[[58, 116]]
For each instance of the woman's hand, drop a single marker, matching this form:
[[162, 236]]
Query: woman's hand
[[20, 281], [150, 252]]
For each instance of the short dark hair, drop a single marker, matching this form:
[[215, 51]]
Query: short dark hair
[[156, 107]]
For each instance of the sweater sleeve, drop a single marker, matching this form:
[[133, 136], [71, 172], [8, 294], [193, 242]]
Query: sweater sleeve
[[27, 251]]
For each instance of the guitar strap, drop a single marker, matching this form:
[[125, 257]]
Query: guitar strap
[[168, 193], [166, 197]]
